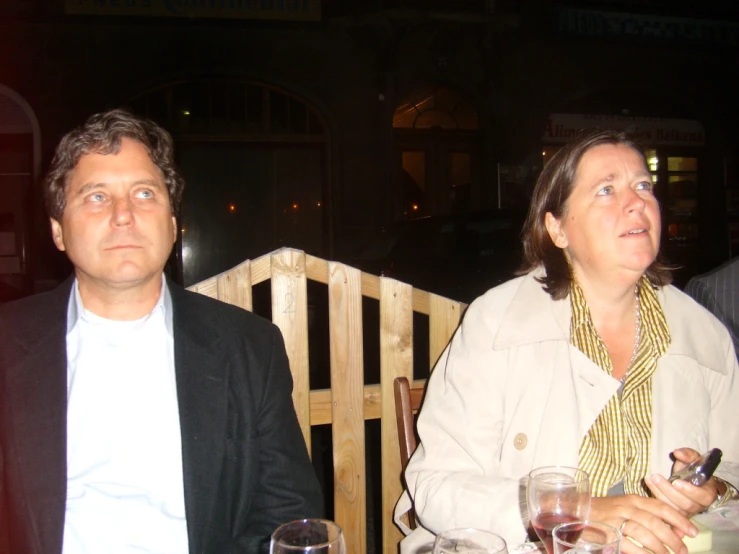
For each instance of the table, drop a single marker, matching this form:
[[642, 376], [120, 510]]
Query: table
[[725, 542], [724, 524]]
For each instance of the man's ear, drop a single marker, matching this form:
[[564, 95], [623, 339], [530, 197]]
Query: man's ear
[[57, 234], [555, 230], [174, 229]]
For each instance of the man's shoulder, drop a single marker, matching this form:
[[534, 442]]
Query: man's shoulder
[[725, 271], [682, 310], [29, 308]]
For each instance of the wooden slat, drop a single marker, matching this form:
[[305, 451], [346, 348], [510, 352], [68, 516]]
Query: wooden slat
[[349, 403], [209, 287], [371, 288], [396, 360], [290, 314], [320, 402], [316, 269], [261, 268], [444, 316], [234, 286], [347, 388]]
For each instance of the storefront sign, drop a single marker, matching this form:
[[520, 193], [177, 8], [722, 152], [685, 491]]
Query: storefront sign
[[651, 131], [293, 10], [646, 27]]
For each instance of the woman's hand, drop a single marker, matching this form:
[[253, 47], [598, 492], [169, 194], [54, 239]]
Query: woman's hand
[[683, 496], [650, 521]]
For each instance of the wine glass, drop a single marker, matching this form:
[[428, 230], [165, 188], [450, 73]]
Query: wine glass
[[556, 494], [586, 537], [308, 535], [473, 541]]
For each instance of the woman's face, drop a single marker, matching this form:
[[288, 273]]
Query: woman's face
[[611, 225]]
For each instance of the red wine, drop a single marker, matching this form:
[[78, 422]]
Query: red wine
[[545, 523]]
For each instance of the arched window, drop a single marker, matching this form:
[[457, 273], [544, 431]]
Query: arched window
[[436, 136], [254, 159], [237, 108], [20, 147], [435, 107]]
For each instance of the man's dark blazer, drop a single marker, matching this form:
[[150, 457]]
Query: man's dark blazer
[[718, 291], [245, 465]]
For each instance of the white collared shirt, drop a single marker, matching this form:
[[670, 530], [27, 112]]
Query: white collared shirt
[[125, 491]]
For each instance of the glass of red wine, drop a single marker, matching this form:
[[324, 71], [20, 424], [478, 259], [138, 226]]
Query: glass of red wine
[[556, 495], [586, 537]]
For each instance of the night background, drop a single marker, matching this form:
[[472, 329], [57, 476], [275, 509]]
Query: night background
[[328, 125]]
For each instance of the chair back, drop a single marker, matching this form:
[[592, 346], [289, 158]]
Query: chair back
[[407, 402]]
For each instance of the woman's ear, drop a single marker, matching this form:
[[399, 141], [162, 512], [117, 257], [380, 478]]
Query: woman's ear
[[555, 230]]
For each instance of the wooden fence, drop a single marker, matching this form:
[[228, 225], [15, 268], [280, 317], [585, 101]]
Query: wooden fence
[[348, 403]]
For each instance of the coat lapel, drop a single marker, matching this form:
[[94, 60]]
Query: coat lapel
[[202, 384], [525, 323], [37, 375]]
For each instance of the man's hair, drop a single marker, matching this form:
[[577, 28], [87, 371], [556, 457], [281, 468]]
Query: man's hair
[[551, 194], [102, 133]]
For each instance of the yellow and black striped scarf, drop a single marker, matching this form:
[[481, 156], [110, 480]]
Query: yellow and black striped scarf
[[618, 445]]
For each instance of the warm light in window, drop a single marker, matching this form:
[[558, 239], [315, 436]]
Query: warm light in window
[[232, 208], [543, 152], [183, 230], [295, 206], [185, 112], [414, 207], [318, 204]]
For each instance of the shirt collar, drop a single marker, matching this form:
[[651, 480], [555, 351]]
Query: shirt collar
[[76, 309]]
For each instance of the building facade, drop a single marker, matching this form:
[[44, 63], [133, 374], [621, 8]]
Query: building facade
[[315, 124]]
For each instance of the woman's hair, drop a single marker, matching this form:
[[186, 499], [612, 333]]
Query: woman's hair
[[552, 191], [102, 134]]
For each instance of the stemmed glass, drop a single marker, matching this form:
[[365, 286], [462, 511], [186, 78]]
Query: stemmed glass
[[308, 535], [585, 538], [472, 541], [557, 494]]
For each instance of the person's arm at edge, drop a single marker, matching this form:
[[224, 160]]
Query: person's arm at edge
[[699, 291]]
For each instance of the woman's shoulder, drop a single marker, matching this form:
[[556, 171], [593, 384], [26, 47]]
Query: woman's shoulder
[[512, 302], [695, 331], [681, 304], [498, 298]]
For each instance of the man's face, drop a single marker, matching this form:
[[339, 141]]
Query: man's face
[[117, 227]]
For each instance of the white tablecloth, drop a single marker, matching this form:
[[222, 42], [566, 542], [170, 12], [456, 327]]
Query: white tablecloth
[[724, 523]]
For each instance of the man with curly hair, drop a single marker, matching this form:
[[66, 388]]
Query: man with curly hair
[[136, 416]]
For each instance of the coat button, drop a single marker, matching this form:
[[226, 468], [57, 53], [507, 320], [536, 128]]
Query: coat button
[[520, 441]]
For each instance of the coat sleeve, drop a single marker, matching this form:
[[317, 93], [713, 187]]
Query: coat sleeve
[[288, 487], [454, 476]]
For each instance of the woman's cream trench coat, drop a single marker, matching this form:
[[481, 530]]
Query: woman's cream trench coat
[[511, 393]]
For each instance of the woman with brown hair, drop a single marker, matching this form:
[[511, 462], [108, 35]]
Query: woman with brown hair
[[589, 359]]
